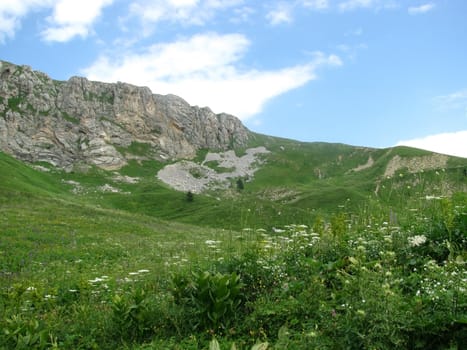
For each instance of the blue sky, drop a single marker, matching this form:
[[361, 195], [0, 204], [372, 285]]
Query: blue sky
[[371, 73]]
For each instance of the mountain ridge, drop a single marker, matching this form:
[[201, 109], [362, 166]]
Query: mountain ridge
[[103, 124], [166, 146]]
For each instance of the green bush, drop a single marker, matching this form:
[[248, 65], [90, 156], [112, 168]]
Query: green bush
[[131, 315], [213, 298], [23, 332]]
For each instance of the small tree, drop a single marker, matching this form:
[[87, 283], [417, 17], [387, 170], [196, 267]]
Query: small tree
[[189, 196], [240, 185]]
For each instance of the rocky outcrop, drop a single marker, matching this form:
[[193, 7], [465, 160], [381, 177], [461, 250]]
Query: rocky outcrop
[[81, 121], [416, 164], [196, 178]]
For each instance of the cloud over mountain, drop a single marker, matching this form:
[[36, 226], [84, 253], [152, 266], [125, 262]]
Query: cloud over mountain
[[206, 70]]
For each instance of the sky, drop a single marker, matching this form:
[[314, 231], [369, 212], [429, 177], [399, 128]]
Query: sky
[[373, 73]]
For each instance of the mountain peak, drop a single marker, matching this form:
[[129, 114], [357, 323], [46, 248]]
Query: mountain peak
[[65, 122]]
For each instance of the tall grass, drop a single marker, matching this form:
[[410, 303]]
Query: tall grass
[[77, 277], [329, 265]]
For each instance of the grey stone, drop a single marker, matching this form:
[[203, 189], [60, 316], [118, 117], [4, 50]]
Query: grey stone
[[94, 123]]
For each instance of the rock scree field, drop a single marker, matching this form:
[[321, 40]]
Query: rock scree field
[[134, 221]]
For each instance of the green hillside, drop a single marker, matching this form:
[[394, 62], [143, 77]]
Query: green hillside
[[117, 259], [296, 182]]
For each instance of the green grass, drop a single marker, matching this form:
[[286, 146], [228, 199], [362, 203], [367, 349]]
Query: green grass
[[15, 102], [214, 165], [79, 269], [18, 178], [297, 182], [70, 118], [85, 268], [137, 148]]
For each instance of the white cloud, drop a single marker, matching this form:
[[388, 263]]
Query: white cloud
[[204, 70], [417, 10], [350, 5], [351, 51], [12, 11], [73, 18], [70, 18], [281, 13], [315, 4], [455, 100], [454, 143], [185, 12], [242, 14], [354, 4]]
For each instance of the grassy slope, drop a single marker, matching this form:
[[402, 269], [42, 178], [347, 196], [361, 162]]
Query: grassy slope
[[42, 221], [297, 182], [56, 241]]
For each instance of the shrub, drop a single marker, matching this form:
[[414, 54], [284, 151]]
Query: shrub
[[131, 315], [213, 298], [22, 332]]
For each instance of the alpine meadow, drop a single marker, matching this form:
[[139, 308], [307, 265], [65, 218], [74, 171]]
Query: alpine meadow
[[130, 220]]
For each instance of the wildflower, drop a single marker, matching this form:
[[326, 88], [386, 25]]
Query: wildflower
[[211, 242], [95, 280], [98, 279], [431, 197], [417, 240]]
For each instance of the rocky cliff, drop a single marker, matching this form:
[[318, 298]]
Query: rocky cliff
[[86, 122]]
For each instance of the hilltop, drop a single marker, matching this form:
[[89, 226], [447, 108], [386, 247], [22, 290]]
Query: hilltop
[[119, 146]]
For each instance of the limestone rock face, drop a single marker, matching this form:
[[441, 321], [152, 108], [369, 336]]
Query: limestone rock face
[[86, 122]]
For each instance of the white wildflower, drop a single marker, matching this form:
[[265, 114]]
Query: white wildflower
[[417, 240], [211, 242]]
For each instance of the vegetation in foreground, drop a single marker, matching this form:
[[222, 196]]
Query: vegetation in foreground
[[76, 278], [82, 268]]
